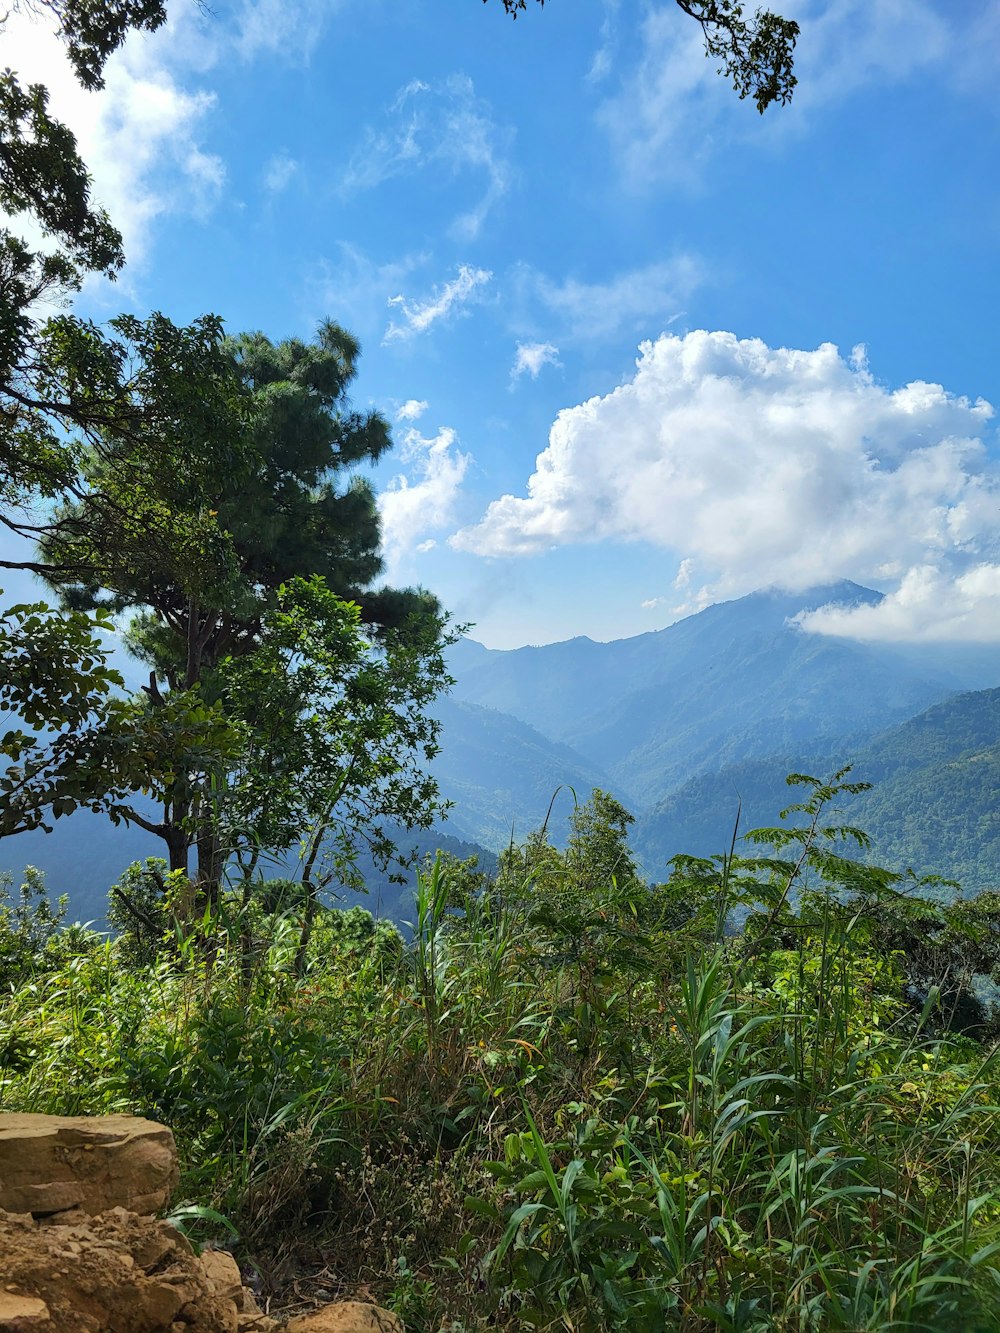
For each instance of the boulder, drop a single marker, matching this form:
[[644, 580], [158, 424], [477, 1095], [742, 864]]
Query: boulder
[[223, 1273], [51, 1163], [347, 1317], [19, 1314], [117, 1273]]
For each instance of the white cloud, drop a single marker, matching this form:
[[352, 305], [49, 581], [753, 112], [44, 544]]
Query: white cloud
[[600, 66], [442, 125], [641, 300], [140, 136], [931, 604], [279, 173], [672, 110], [418, 316], [531, 357], [276, 29], [423, 501], [759, 465], [412, 410]]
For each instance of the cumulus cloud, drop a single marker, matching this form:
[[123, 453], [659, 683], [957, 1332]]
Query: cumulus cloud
[[423, 499], [412, 410], [758, 465], [531, 357], [672, 110], [443, 125], [931, 604], [418, 316]]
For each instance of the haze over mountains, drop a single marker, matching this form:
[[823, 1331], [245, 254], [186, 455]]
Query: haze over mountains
[[679, 724], [737, 683]]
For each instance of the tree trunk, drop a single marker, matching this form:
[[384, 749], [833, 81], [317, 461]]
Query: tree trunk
[[209, 866], [176, 839]]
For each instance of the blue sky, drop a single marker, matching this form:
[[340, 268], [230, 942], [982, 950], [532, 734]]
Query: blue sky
[[644, 348]]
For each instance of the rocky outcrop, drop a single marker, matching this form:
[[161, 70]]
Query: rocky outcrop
[[49, 1163], [81, 1253], [117, 1273]]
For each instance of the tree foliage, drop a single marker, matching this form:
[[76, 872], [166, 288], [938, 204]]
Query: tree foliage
[[93, 29], [57, 688]]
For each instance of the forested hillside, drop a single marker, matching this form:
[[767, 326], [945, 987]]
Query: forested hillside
[[934, 806]]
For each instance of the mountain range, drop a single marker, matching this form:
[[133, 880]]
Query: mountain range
[[680, 724]]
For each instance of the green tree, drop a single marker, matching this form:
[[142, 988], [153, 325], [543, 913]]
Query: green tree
[[203, 518], [45, 183], [336, 738], [278, 487], [755, 53], [28, 924], [75, 742], [598, 850], [43, 178], [92, 30]]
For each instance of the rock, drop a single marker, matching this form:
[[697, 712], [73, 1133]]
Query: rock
[[52, 1163], [118, 1273], [347, 1317], [21, 1312], [224, 1275]]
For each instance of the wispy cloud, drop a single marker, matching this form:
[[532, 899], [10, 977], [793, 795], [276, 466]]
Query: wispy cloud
[[759, 465], [418, 316], [529, 359], [279, 173], [442, 125], [642, 301], [600, 66], [357, 287], [279, 30]]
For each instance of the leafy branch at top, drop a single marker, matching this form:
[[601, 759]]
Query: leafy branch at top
[[756, 53]]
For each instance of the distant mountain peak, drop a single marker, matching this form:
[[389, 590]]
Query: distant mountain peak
[[842, 592]]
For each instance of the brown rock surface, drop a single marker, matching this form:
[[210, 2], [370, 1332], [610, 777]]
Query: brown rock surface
[[117, 1273], [347, 1317], [21, 1312], [51, 1163], [223, 1273]]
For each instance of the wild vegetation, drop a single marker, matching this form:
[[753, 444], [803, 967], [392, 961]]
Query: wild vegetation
[[569, 1099]]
